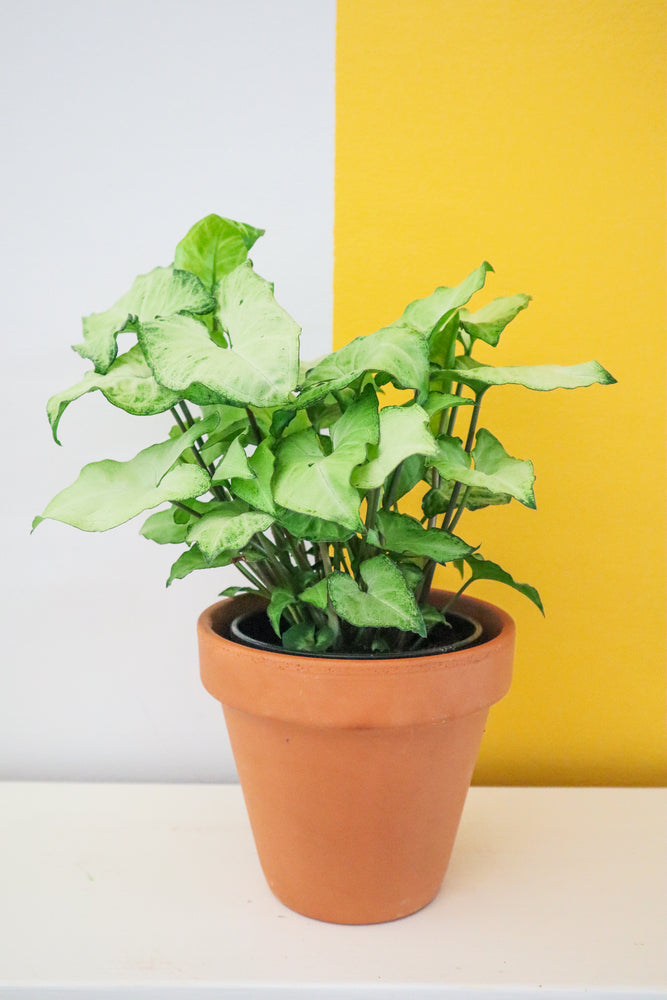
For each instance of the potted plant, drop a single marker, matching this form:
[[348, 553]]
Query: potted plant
[[355, 694]]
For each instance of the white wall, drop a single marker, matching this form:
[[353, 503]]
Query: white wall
[[125, 121]]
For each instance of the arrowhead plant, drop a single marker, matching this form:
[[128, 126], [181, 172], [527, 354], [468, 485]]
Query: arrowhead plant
[[297, 473]]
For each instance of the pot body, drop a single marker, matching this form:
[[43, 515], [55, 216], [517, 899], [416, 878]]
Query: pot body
[[355, 772]]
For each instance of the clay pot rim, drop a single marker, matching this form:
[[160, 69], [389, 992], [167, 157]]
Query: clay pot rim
[[237, 635], [497, 627]]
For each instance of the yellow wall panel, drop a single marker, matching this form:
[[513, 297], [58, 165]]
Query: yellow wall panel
[[533, 134]]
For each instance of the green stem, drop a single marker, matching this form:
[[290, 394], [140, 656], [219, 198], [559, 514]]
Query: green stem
[[462, 506], [217, 490], [254, 580], [451, 507], [255, 426], [324, 557], [184, 506]]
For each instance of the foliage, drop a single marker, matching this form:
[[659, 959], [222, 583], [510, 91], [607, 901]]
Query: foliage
[[293, 472]]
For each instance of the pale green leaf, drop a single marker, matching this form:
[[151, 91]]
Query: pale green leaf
[[437, 401], [358, 427], [317, 594], [542, 378], [128, 384], [261, 365], [214, 247], [402, 533], [162, 292], [489, 322], [504, 474], [404, 431], [193, 559], [229, 527], [426, 314], [171, 525], [108, 493], [308, 481], [495, 470], [394, 350], [234, 463], [387, 602], [256, 489]]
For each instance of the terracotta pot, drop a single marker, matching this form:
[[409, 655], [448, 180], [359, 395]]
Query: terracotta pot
[[355, 772]]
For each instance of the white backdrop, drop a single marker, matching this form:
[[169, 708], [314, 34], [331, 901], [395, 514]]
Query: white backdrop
[[125, 121]]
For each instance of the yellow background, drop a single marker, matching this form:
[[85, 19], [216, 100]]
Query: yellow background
[[532, 133]]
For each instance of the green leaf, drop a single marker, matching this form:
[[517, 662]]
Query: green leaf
[[128, 384], [281, 598], [425, 315], [317, 594], [405, 534], [261, 365], [387, 603], [489, 322], [437, 401], [171, 525], [193, 559], [162, 292], [308, 481], [542, 378], [503, 473], [229, 527], [495, 470], [314, 529], [394, 350], [108, 493], [233, 463], [484, 569], [410, 472], [214, 247], [404, 432], [436, 501], [257, 490], [306, 638], [358, 427]]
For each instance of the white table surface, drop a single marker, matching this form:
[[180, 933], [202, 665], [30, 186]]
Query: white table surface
[[154, 892]]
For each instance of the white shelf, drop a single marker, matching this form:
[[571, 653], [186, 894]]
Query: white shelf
[[154, 892]]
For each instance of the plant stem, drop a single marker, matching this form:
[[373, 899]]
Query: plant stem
[[218, 491], [255, 426], [184, 506], [324, 557], [449, 513]]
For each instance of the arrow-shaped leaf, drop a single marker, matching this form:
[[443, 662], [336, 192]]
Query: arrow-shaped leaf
[[260, 367], [308, 481], [387, 602], [495, 470], [162, 292], [395, 350], [193, 559], [128, 384], [542, 378], [489, 322], [404, 431], [405, 534], [108, 493], [426, 314], [233, 463], [484, 569], [214, 247], [227, 528]]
